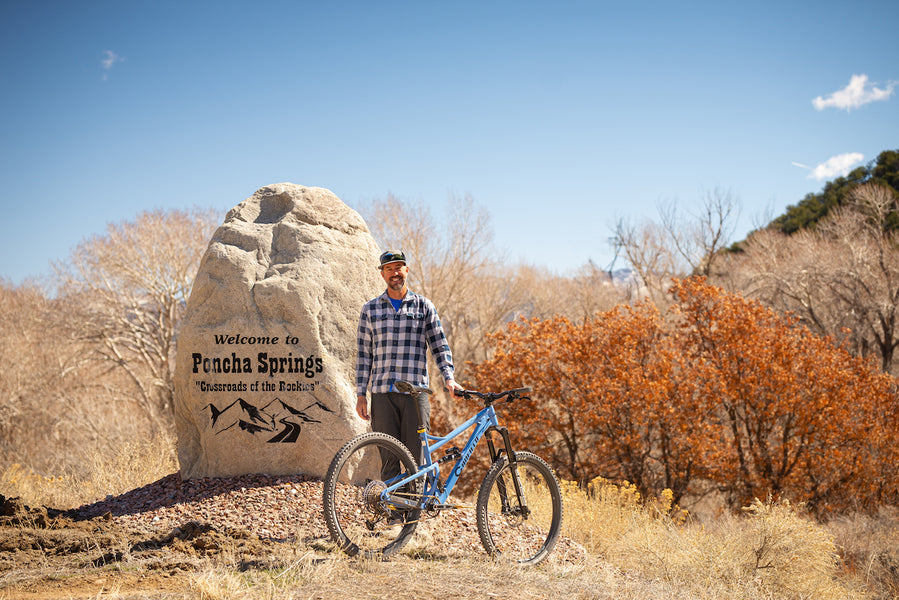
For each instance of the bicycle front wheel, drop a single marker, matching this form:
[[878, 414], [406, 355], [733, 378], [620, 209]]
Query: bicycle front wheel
[[359, 521], [521, 523]]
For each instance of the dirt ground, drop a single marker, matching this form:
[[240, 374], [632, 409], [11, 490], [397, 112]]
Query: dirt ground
[[45, 555], [145, 544]]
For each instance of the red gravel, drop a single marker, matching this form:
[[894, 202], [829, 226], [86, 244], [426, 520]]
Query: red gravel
[[279, 508], [283, 508]]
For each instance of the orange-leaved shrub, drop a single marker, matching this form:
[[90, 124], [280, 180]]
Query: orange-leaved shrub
[[723, 393]]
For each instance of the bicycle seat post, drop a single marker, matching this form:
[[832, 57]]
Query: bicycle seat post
[[420, 395], [421, 403]]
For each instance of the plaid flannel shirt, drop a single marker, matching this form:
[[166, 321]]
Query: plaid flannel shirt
[[392, 344]]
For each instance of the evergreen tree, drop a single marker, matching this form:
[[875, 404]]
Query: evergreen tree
[[814, 207]]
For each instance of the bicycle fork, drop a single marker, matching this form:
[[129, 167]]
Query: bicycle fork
[[522, 507]]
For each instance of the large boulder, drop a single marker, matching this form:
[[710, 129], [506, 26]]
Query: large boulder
[[264, 373]]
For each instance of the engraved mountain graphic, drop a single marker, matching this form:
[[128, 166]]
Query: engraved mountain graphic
[[276, 417]]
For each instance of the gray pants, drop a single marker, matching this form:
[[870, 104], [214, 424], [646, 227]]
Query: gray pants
[[398, 415]]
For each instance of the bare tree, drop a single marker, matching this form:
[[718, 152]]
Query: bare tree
[[677, 246], [127, 291], [577, 296], [54, 409], [842, 279], [646, 249], [790, 273], [700, 238], [443, 260], [28, 351], [866, 278]]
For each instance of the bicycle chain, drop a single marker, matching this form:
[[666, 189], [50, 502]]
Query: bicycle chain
[[431, 512]]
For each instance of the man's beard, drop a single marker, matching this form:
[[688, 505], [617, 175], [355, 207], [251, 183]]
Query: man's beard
[[396, 283]]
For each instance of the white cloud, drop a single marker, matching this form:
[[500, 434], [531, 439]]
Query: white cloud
[[856, 94], [836, 166], [110, 59]]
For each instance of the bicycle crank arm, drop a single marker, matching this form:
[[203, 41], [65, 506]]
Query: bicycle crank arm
[[450, 506], [397, 503]]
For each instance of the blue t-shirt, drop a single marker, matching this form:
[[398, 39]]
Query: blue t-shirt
[[396, 303]]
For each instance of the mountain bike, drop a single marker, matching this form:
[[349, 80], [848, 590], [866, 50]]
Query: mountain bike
[[375, 493]]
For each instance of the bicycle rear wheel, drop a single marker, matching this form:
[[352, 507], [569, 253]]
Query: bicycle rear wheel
[[523, 528], [358, 520]]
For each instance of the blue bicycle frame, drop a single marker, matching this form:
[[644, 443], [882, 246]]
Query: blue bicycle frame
[[436, 494]]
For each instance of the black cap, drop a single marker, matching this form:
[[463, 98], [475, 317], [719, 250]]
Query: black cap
[[392, 256]]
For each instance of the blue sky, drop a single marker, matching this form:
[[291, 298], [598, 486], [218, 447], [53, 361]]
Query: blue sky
[[559, 118]]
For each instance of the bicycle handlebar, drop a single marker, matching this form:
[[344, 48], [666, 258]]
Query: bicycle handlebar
[[491, 397], [405, 387]]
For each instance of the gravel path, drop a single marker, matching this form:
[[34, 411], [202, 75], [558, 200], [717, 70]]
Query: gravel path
[[284, 508]]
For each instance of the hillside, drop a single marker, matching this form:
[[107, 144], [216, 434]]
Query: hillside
[[814, 207]]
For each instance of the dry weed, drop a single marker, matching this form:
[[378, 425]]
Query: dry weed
[[869, 547], [772, 551], [335, 576], [19, 481], [130, 466]]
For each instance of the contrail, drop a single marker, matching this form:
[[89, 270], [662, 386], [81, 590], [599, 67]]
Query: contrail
[[800, 165]]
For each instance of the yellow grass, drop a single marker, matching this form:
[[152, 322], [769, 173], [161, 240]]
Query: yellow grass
[[774, 550], [131, 466]]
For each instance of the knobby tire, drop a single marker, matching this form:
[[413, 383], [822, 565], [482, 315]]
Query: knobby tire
[[508, 529], [356, 519]]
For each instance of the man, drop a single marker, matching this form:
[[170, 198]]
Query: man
[[395, 331]]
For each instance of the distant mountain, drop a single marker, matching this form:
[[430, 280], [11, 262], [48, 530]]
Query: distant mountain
[[623, 276]]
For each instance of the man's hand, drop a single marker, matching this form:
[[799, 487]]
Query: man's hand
[[452, 386], [362, 407]]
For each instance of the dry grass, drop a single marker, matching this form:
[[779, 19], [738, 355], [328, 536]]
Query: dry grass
[[772, 551], [131, 466], [869, 548], [637, 549], [338, 577]]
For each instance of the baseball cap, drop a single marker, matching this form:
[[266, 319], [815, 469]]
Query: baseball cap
[[392, 256]]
